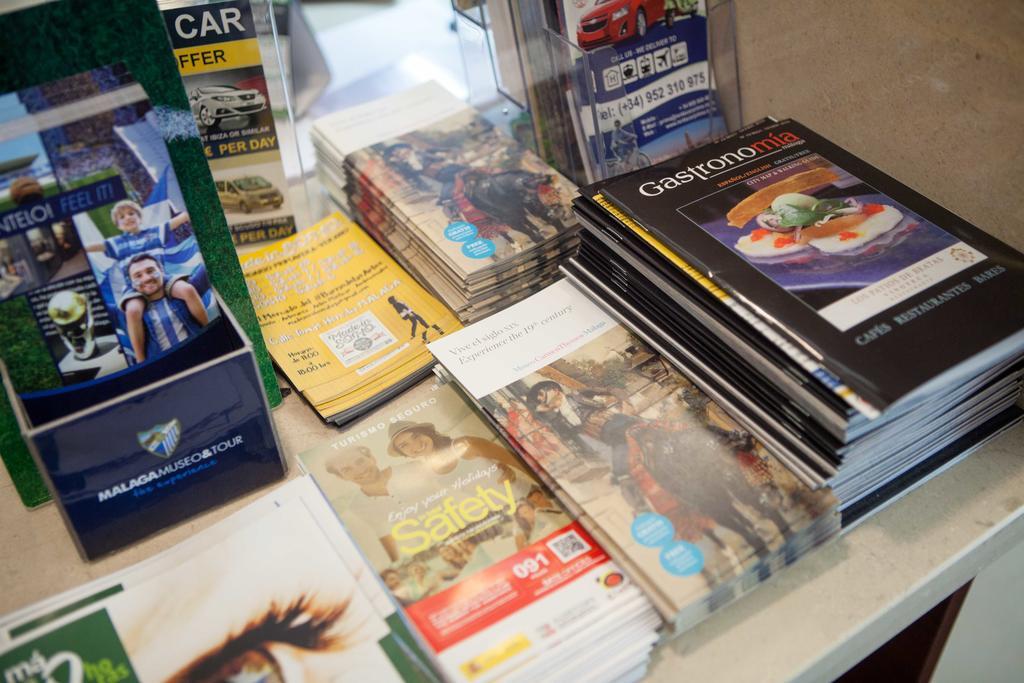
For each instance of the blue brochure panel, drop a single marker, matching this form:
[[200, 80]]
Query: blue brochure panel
[[652, 94], [131, 469]]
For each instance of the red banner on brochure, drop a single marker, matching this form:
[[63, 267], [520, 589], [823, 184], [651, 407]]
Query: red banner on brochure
[[510, 585]]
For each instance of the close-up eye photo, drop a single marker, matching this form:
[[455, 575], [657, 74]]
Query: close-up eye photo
[[273, 646], [506, 341], [272, 601]]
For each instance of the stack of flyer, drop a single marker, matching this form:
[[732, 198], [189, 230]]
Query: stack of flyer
[[276, 592], [478, 218], [868, 335], [693, 507], [491, 570], [344, 322]]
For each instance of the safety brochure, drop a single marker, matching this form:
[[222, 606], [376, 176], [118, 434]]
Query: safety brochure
[[489, 568]]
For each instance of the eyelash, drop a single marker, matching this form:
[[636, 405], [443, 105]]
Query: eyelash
[[301, 624]]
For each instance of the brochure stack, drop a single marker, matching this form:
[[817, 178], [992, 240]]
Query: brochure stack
[[687, 501], [491, 570], [344, 322], [667, 389], [479, 219], [275, 592], [868, 335]]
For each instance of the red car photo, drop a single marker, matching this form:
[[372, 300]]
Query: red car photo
[[613, 20]]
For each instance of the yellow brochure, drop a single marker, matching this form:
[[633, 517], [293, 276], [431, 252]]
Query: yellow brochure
[[337, 311]]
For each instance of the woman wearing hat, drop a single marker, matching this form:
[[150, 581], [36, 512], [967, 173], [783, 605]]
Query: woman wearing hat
[[444, 455], [460, 467]]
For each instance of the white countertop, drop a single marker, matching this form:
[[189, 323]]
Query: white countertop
[[931, 93], [812, 621]]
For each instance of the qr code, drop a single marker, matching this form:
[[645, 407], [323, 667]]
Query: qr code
[[568, 546], [358, 338]]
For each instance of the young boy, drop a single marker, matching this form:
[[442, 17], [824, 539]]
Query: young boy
[[134, 239]]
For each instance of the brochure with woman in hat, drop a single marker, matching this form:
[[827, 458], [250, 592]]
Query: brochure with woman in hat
[[452, 521], [422, 474]]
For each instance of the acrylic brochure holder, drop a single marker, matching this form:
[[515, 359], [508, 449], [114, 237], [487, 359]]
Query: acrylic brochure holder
[[150, 447], [577, 99], [499, 95], [277, 63]]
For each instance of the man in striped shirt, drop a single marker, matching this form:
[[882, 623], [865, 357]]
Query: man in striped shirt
[[167, 320]]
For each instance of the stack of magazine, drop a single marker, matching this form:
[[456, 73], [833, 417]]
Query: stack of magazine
[[866, 334], [276, 592], [688, 502], [344, 322], [478, 218], [490, 569]]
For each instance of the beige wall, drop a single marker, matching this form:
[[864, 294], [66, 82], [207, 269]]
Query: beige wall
[[930, 91]]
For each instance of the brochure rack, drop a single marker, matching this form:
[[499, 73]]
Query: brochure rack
[[277, 68], [147, 448], [272, 70], [305, 69], [535, 69]]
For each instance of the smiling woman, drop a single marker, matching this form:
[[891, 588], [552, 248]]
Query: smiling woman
[[443, 454]]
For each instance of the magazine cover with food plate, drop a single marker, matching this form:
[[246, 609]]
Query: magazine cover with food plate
[[850, 264]]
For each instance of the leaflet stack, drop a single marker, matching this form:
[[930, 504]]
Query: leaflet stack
[[865, 334], [478, 218], [490, 570], [696, 510], [344, 323], [276, 591]]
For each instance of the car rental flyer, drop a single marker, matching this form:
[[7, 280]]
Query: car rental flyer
[[646, 67], [489, 568], [218, 54]]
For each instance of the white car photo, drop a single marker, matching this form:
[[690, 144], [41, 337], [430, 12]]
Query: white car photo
[[211, 104]]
